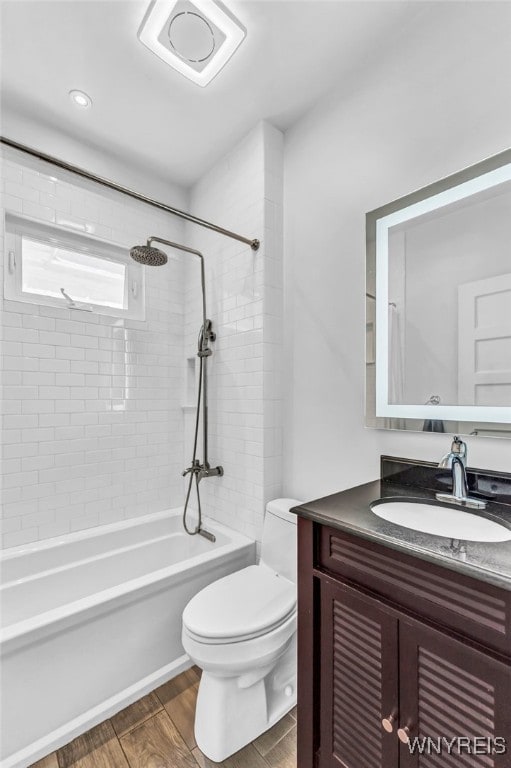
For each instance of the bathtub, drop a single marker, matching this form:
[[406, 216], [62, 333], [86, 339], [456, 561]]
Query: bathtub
[[91, 621]]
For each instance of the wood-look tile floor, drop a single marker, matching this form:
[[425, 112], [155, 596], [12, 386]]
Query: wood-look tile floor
[[157, 732]]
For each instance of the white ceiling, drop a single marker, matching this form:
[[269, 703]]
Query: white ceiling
[[149, 116]]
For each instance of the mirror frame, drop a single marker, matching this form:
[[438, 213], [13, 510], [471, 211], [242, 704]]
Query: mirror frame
[[474, 419]]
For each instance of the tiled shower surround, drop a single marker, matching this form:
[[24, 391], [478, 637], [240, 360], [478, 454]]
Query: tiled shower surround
[[93, 406]]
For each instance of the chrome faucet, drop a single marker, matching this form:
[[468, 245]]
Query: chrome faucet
[[456, 461]]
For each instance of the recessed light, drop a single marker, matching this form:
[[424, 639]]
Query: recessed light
[[80, 99], [195, 37]]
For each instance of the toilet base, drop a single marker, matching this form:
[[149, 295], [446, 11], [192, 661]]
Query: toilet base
[[233, 711]]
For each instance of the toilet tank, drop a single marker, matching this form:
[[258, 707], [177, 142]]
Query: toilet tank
[[278, 549]]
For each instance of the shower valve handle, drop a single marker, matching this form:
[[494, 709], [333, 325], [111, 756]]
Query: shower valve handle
[[210, 472], [203, 471], [195, 467]]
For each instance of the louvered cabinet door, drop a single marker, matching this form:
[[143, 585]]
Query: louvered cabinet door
[[450, 690], [358, 680]]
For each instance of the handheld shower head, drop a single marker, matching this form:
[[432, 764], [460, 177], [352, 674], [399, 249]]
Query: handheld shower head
[[146, 254]]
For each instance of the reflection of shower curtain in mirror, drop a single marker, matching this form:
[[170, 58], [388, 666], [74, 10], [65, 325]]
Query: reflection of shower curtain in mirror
[[396, 376], [396, 383]]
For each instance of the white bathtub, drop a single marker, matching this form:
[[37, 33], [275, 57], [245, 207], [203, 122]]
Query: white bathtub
[[91, 621]]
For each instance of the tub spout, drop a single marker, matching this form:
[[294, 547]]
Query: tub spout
[[207, 535]]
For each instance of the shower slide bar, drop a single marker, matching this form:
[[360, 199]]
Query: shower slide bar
[[253, 243]]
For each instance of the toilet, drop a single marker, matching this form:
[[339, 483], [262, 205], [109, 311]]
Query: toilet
[[241, 631]]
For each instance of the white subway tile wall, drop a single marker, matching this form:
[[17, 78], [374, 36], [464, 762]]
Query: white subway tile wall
[[92, 405], [242, 192], [92, 423]]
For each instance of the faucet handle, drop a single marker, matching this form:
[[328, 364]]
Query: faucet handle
[[459, 448], [458, 451]]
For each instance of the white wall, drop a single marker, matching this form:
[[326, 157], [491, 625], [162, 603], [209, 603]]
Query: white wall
[[76, 150], [91, 409], [438, 103], [242, 192]]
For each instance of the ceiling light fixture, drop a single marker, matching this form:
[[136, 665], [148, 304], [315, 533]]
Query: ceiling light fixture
[[195, 37], [80, 99]]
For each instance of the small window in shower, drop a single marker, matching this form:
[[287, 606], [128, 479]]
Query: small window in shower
[[49, 265], [46, 268]]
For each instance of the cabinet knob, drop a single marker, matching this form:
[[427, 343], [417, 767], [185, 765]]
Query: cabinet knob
[[388, 723], [404, 734]]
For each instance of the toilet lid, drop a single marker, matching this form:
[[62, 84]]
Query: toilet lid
[[244, 604]]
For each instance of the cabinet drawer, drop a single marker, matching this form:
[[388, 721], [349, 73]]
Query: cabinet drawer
[[471, 607]]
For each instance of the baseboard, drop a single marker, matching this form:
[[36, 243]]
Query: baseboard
[[66, 733]]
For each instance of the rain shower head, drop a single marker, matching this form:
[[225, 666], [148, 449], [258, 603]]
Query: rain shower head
[[146, 254]]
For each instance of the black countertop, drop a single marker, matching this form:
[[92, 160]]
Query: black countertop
[[350, 511]]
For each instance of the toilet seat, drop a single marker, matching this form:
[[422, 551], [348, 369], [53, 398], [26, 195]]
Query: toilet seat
[[231, 659], [244, 605]]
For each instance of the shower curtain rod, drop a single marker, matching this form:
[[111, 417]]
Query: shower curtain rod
[[253, 243]]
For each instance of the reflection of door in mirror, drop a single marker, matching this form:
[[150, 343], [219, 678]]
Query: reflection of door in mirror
[[431, 258], [484, 342]]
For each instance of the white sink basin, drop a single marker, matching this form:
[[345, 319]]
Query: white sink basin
[[441, 521]]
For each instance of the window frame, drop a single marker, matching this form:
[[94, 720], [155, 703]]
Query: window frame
[[17, 226]]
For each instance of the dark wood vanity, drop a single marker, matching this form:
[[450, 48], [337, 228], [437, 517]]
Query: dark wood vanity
[[394, 646]]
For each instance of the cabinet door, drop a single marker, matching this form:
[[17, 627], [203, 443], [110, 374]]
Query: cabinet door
[[358, 680], [450, 690]]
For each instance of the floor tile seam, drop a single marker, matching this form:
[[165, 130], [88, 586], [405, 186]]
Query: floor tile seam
[[141, 722], [174, 697], [265, 757], [124, 753], [293, 725], [160, 711]]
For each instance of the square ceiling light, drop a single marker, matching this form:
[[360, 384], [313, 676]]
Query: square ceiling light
[[195, 37]]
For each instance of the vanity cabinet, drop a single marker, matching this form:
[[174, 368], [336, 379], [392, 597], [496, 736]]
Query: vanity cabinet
[[392, 648]]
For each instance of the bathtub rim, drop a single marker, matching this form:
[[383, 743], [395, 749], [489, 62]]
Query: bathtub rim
[[97, 530], [29, 630], [17, 637]]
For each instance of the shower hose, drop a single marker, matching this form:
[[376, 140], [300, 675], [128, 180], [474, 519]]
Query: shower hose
[[194, 476]]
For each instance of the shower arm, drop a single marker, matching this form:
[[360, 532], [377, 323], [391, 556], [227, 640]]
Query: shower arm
[[179, 247]]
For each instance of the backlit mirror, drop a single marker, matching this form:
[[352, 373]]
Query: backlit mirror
[[438, 306]]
